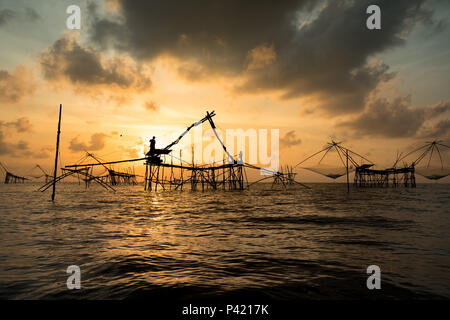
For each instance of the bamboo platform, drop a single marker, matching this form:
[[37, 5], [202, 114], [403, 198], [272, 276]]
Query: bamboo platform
[[393, 177], [10, 177], [195, 177]]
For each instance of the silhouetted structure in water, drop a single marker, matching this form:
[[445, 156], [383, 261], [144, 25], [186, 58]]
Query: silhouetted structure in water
[[405, 176], [392, 177], [346, 157], [44, 174], [84, 171], [365, 175], [427, 151], [10, 177], [229, 175], [284, 177], [114, 177]]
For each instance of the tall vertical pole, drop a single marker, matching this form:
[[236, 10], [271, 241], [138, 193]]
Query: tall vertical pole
[[181, 171], [171, 172], [348, 182], [146, 176], [57, 152], [223, 172], [157, 177], [150, 174]]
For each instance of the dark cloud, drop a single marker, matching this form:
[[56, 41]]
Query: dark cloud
[[388, 119], [272, 46], [210, 31], [67, 59], [28, 14], [329, 57], [97, 143], [290, 139], [16, 85], [397, 118], [426, 17], [5, 16]]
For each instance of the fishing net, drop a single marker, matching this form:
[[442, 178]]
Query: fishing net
[[330, 172], [433, 173]]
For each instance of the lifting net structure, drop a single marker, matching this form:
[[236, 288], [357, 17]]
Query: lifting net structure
[[347, 160], [328, 171], [432, 161]]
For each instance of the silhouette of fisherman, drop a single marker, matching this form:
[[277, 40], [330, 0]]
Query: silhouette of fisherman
[[152, 146]]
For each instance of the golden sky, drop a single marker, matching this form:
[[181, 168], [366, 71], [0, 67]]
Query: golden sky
[[136, 69]]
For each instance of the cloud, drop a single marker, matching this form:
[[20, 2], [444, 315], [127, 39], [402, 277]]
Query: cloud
[[28, 14], [396, 118], [43, 153], [20, 125], [299, 48], [438, 109], [441, 129], [8, 148], [87, 68], [261, 57], [97, 142], [16, 85], [387, 119], [32, 15], [290, 139], [132, 152], [14, 149], [20, 148], [151, 106], [111, 6], [5, 16]]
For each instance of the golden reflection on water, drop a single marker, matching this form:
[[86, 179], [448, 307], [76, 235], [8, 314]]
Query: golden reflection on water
[[224, 240]]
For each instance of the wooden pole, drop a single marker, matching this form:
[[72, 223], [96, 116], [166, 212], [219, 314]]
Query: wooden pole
[[56, 155], [181, 171], [157, 177], [145, 177], [150, 172], [348, 182]]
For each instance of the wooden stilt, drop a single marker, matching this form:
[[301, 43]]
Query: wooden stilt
[[56, 154], [348, 182]]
